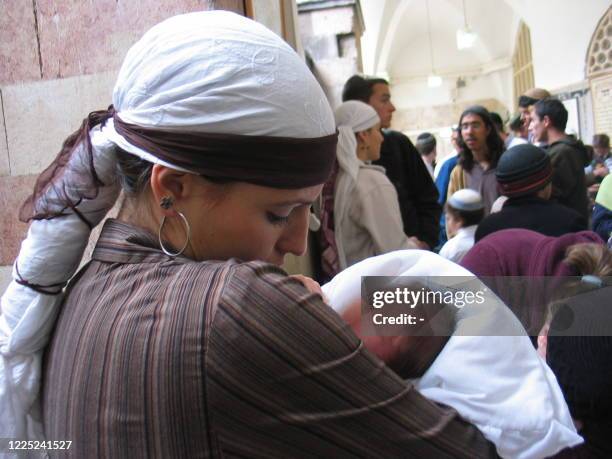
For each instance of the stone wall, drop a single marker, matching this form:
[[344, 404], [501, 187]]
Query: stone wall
[[602, 101], [421, 118], [58, 62], [331, 37]]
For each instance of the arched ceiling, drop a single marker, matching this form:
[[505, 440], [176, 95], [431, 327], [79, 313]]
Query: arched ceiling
[[396, 40]]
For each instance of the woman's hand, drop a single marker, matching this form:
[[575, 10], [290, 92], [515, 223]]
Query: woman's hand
[[311, 285]]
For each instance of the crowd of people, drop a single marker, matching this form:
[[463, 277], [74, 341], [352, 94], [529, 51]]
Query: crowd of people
[[547, 182], [183, 337], [519, 204]]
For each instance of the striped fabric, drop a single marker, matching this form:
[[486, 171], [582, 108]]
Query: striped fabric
[[159, 357]]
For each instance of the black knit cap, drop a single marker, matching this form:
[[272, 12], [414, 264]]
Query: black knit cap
[[523, 170]]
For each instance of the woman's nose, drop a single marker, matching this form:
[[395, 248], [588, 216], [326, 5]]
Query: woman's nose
[[294, 238]]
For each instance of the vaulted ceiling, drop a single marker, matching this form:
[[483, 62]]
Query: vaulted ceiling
[[396, 39]]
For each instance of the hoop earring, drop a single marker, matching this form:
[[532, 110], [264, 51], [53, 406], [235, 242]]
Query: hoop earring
[[187, 230]]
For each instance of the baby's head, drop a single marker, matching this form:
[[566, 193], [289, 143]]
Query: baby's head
[[408, 349]]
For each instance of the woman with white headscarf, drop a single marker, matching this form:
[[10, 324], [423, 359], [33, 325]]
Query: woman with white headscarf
[[367, 218], [182, 337]]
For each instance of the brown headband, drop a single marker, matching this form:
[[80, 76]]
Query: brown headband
[[277, 162]]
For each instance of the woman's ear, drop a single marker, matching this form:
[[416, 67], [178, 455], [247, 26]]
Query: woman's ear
[[169, 184], [362, 137]]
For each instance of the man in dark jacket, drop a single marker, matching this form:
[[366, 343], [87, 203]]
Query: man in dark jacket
[[568, 156], [524, 174], [417, 194]]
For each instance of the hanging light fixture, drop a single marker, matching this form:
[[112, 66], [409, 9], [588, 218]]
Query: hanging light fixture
[[465, 37], [434, 80]]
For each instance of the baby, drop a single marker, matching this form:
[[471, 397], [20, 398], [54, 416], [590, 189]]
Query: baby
[[476, 358]]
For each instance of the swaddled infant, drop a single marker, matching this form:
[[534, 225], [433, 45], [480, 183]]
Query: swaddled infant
[[476, 358]]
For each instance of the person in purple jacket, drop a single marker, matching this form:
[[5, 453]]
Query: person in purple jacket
[[504, 259]]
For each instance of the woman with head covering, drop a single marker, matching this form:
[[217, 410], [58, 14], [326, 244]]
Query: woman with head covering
[[366, 215], [182, 337]]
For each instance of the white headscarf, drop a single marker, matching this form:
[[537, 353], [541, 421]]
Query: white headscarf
[[351, 117], [210, 72], [499, 383]]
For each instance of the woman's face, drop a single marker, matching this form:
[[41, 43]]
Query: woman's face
[[373, 138], [248, 222]]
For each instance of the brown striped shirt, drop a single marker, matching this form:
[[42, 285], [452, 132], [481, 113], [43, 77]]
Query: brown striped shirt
[[160, 357]]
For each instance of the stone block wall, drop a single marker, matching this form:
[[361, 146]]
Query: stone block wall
[[602, 98], [437, 119], [418, 119], [58, 62], [331, 37]]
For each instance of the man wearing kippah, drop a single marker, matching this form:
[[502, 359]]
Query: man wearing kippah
[[524, 174], [426, 145]]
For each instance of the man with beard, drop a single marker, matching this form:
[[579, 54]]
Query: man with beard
[[417, 194], [481, 148]]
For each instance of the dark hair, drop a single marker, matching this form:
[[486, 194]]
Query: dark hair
[[135, 173], [601, 140], [360, 88], [497, 121], [516, 123], [426, 143], [468, 217], [526, 101], [590, 152], [555, 110], [494, 141]]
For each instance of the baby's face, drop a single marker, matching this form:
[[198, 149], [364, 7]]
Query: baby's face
[[409, 355]]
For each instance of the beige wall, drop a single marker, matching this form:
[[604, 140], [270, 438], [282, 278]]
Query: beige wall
[[58, 62], [601, 88], [331, 38]]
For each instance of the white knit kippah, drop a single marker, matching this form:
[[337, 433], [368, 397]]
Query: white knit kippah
[[466, 199]]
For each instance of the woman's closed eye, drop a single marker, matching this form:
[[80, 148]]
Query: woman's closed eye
[[276, 219]]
